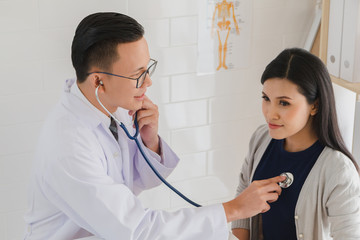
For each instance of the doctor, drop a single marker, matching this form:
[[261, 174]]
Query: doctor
[[86, 176]]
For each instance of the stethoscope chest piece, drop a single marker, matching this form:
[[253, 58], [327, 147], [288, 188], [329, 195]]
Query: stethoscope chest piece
[[288, 181]]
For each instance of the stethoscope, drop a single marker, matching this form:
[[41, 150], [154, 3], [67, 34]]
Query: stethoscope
[[284, 184], [134, 137], [288, 180]]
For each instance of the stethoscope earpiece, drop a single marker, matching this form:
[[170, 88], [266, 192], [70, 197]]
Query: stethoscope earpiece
[[288, 181]]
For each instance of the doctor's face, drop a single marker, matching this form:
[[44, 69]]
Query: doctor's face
[[286, 110], [132, 62]]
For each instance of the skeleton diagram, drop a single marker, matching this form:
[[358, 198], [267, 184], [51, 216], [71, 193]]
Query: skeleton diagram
[[224, 11]]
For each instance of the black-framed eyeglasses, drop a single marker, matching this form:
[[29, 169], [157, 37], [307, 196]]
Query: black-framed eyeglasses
[[140, 80]]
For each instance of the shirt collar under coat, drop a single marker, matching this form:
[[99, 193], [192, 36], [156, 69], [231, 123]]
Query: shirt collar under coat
[[77, 103]]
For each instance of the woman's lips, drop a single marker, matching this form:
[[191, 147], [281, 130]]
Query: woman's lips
[[274, 126]]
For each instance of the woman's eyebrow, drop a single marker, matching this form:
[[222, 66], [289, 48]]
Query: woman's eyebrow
[[280, 97], [284, 97]]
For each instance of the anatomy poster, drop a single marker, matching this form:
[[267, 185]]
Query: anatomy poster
[[224, 41]]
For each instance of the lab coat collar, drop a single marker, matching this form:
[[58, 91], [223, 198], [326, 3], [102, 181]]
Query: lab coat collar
[[78, 104]]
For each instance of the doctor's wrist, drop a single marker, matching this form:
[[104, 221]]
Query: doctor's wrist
[[154, 145], [231, 211]]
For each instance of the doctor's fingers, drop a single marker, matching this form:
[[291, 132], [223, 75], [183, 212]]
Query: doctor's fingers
[[148, 113], [276, 179], [146, 104], [265, 208], [148, 119], [263, 200], [264, 187], [271, 184], [271, 197]]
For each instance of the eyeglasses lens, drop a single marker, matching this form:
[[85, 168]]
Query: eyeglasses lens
[[150, 71]]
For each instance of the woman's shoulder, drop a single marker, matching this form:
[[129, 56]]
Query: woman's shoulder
[[337, 176], [335, 158], [336, 164]]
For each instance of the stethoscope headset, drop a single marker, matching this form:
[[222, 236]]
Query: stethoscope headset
[[284, 184]]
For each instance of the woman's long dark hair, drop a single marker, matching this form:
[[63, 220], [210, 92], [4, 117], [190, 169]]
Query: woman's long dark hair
[[313, 80]]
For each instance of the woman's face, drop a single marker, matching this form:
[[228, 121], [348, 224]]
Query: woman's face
[[286, 110]]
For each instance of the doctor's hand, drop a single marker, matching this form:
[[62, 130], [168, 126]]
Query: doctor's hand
[[254, 199], [148, 119]]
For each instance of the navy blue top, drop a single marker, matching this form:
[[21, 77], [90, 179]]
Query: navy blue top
[[279, 222]]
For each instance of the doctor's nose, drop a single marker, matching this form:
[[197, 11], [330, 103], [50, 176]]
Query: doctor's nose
[[147, 81]]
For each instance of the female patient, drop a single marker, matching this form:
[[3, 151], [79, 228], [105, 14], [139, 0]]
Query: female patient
[[301, 137]]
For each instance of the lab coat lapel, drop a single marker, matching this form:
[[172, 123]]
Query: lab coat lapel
[[127, 162], [111, 149]]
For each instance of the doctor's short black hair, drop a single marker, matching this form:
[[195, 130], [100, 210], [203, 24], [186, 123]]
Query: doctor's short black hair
[[96, 40]]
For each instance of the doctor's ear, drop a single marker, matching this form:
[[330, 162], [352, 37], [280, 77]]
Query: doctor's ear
[[95, 80], [98, 82]]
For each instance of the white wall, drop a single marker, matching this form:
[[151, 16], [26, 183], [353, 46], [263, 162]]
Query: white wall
[[207, 120]]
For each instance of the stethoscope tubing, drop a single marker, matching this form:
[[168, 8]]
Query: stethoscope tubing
[[135, 138]]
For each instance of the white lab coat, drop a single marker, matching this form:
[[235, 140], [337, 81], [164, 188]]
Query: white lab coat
[[85, 182]]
